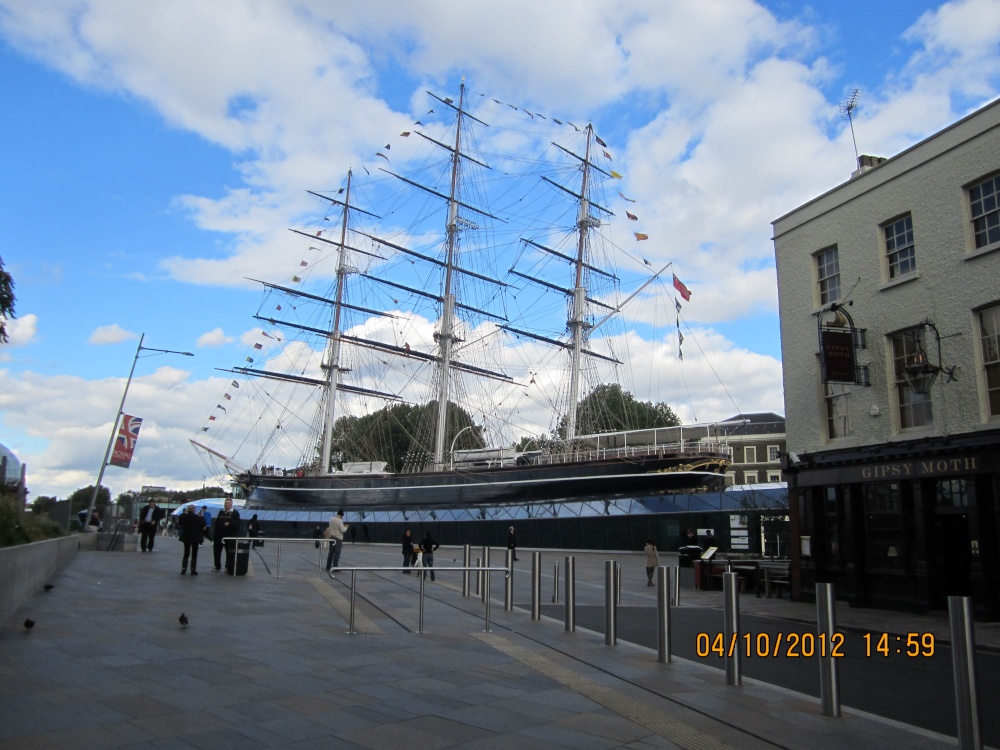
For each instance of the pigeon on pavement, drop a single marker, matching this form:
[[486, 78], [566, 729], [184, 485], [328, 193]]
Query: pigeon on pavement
[[183, 620]]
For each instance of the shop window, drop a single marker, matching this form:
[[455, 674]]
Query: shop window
[[883, 525], [914, 408], [952, 493], [989, 332], [831, 515]]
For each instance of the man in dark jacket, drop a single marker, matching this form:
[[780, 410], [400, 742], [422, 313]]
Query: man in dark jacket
[[227, 524], [407, 551], [429, 545], [192, 533], [149, 521]]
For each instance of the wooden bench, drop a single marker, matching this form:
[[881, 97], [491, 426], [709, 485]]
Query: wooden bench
[[776, 576]]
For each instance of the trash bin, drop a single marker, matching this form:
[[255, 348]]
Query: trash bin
[[686, 554], [242, 558]]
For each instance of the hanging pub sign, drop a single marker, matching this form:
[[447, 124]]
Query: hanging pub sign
[[837, 347]]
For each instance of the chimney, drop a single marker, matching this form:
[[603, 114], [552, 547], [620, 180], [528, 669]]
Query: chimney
[[866, 162]]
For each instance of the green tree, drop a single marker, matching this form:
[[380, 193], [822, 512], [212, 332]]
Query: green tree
[[399, 435], [40, 505], [80, 500], [6, 301], [609, 408]]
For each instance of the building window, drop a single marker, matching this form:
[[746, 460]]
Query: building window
[[828, 275], [989, 330], [899, 248], [749, 477], [838, 420], [750, 454], [730, 479], [914, 408], [773, 454], [774, 476], [983, 202]]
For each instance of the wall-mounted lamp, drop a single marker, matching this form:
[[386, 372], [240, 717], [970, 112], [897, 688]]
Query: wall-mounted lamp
[[919, 371]]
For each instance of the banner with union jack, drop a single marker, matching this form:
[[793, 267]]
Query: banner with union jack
[[128, 434]]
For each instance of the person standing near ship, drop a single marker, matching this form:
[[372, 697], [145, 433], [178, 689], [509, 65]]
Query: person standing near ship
[[652, 560], [227, 524], [337, 530], [149, 520], [192, 533], [428, 545], [407, 551], [512, 543]]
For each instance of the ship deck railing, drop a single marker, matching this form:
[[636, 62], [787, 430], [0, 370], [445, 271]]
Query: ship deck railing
[[639, 451]]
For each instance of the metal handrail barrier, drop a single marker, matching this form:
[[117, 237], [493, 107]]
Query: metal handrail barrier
[[420, 627]]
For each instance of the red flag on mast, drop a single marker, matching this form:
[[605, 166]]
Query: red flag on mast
[[684, 291]]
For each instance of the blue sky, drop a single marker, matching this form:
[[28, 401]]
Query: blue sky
[[153, 158]]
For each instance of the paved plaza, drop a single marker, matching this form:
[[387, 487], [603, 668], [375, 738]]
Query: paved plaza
[[267, 662]]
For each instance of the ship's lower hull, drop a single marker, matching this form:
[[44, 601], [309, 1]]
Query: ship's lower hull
[[634, 477]]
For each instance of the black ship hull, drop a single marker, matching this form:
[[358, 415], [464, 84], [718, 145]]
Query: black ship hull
[[610, 478]]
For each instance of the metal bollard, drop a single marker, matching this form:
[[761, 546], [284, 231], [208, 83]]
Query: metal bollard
[[610, 618], [508, 583], [570, 594], [826, 625], [536, 585], [479, 577], [555, 583], [420, 620], [354, 581], [663, 650], [466, 552], [486, 564], [486, 596], [277, 564], [675, 585], [963, 658], [731, 597]]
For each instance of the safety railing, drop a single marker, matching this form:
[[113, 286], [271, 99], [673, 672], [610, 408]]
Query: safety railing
[[483, 572]]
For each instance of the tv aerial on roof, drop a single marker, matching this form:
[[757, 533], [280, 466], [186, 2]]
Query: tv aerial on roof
[[847, 111]]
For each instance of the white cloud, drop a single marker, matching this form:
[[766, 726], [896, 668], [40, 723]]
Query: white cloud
[[215, 337], [20, 331], [112, 334]]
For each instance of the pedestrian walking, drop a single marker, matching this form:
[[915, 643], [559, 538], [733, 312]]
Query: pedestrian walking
[[149, 519], [428, 545], [337, 530], [512, 542], [652, 560], [191, 527], [407, 551]]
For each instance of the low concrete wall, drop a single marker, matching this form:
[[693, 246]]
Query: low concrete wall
[[25, 568]]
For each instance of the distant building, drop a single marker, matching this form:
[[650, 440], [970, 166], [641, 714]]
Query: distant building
[[758, 443], [12, 477], [889, 295]]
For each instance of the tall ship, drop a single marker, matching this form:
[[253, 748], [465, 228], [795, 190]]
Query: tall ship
[[454, 334]]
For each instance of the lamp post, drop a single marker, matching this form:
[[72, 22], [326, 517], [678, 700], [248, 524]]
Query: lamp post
[[114, 427]]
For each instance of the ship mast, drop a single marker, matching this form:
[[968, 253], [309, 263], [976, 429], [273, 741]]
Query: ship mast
[[333, 361], [576, 323], [446, 335]]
